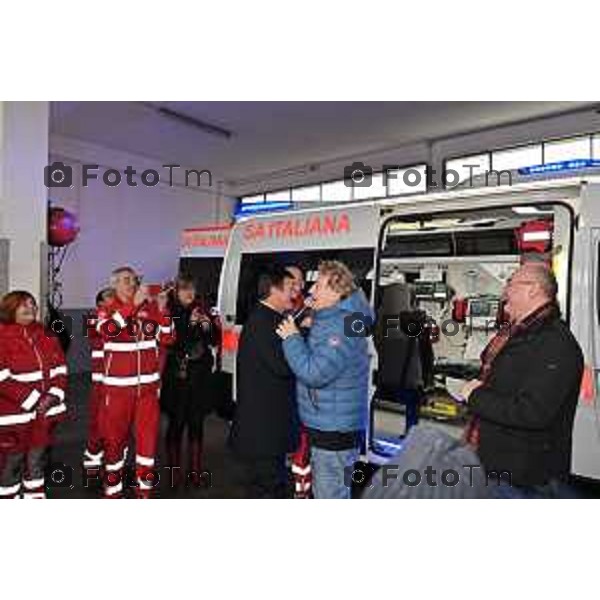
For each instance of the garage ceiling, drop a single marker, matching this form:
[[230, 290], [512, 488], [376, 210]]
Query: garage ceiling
[[268, 136]]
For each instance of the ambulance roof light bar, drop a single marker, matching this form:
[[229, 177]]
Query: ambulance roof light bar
[[560, 167], [261, 207]]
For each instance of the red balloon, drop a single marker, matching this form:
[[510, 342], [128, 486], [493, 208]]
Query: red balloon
[[63, 227]]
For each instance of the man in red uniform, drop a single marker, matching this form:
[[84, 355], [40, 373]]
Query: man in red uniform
[[132, 327], [94, 451]]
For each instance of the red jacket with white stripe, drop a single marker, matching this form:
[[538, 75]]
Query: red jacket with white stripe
[[97, 351], [132, 341], [31, 364]]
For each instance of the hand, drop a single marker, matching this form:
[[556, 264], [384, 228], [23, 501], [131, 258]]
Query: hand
[[141, 295], [307, 322], [46, 402], [469, 388], [286, 328], [162, 300], [198, 316]]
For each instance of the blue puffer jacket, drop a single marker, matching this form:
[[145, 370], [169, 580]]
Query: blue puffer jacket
[[332, 369]]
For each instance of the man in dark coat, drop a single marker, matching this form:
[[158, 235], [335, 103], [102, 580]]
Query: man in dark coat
[[524, 403], [266, 423]]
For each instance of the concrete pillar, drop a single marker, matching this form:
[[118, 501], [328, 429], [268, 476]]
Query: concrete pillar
[[23, 196]]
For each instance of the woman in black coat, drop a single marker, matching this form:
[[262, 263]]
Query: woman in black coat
[[186, 389]]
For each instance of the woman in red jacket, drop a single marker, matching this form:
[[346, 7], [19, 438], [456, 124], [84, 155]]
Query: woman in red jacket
[[33, 377]]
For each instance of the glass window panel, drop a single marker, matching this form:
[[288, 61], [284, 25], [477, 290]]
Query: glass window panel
[[596, 147], [568, 149], [466, 167], [336, 191], [311, 193], [279, 196], [524, 156], [375, 190], [409, 180]]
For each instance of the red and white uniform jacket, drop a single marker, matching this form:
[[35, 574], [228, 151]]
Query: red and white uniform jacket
[[97, 353], [31, 364], [94, 448], [132, 341]]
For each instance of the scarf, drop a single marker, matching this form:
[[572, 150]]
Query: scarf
[[546, 312]]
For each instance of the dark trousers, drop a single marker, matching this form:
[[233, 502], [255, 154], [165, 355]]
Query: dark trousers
[[23, 473], [266, 477], [411, 400], [187, 402], [185, 415]]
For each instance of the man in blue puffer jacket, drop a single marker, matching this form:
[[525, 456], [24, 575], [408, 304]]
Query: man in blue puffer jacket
[[332, 370]]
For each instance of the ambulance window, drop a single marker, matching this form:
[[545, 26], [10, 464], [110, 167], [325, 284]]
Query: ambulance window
[[359, 261]]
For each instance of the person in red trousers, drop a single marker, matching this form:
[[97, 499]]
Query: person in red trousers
[[132, 327], [94, 450], [33, 377]]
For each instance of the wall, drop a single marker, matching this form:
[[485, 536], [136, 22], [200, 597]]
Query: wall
[[138, 226]]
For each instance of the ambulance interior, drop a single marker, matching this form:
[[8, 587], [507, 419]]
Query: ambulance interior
[[438, 303]]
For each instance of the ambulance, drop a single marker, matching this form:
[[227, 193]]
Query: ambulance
[[448, 255], [201, 253]]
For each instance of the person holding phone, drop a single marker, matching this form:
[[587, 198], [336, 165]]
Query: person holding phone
[[133, 328], [186, 392]]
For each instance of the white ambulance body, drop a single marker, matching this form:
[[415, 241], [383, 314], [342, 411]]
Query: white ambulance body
[[456, 246], [201, 254]]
